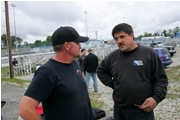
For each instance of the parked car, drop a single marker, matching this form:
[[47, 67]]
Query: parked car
[[164, 55], [171, 50]]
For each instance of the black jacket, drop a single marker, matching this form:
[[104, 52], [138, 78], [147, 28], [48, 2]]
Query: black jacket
[[90, 63], [134, 76]]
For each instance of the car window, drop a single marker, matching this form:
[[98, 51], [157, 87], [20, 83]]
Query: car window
[[164, 51]]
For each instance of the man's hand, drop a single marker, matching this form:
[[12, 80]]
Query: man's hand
[[148, 105]]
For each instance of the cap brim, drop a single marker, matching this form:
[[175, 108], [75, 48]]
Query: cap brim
[[81, 39]]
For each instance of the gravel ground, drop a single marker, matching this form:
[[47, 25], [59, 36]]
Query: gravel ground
[[168, 109]]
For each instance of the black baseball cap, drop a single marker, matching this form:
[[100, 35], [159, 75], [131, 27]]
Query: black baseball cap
[[66, 34]]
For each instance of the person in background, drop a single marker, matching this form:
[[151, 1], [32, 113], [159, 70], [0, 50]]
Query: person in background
[[58, 83], [136, 75], [15, 62], [90, 66], [81, 60], [21, 60]]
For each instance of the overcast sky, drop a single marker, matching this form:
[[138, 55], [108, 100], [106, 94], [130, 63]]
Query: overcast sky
[[36, 20]]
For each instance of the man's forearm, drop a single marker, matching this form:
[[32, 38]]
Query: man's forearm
[[30, 116]]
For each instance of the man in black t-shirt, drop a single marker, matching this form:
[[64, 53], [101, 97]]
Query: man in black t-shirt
[[59, 84]]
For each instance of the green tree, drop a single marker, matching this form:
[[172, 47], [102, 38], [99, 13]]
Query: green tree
[[139, 37], [164, 33], [19, 41], [26, 44], [146, 34], [32, 45], [3, 39], [169, 31], [14, 41], [38, 43], [176, 30], [48, 39], [156, 34]]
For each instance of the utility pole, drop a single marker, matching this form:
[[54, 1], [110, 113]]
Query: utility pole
[[13, 5], [154, 29], [86, 24], [9, 40], [96, 34]]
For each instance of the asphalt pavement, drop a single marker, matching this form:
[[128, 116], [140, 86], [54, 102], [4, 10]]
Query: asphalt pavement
[[12, 95]]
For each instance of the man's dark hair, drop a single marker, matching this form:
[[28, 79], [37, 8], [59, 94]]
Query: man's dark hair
[[82, 50], [122, 27]]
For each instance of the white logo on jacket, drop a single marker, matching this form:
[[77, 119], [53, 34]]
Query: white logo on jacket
[[138, 63]]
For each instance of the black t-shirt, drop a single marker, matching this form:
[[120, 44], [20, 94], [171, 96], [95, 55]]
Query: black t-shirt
[[62, 90]]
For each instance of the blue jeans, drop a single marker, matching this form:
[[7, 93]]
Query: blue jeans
[[132, 114], [94, 77]]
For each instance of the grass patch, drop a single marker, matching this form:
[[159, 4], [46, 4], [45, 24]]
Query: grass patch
[[172, 96], [174, 82], [15, 81], [4, 71], [111, 109], [173, 73], [95, 102]]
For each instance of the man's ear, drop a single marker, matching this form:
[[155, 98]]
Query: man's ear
[[132, 35], [66, 46]]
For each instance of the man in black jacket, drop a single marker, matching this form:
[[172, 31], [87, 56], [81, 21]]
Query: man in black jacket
[[90, 66], [15, 62], [136, 75]]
